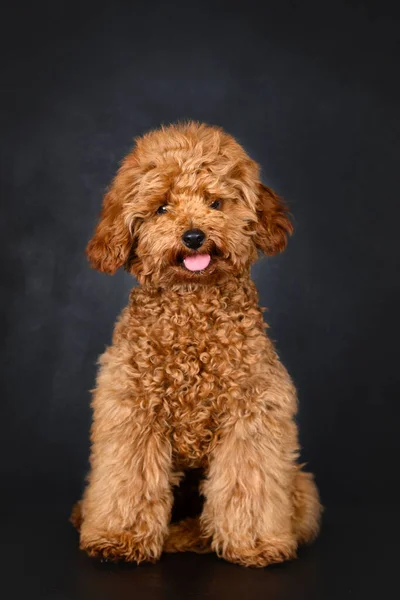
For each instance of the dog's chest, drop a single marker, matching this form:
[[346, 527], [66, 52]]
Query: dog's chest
[[192, 357]]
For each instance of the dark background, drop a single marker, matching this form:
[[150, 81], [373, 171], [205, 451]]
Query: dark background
[[311, 89]]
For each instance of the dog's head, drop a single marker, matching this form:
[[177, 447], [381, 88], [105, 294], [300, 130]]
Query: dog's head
[[187, 205]]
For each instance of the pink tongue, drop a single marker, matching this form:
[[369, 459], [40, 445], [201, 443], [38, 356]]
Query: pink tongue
[[197, 262]]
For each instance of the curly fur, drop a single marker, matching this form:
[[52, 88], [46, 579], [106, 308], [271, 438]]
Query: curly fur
[[191, 379]]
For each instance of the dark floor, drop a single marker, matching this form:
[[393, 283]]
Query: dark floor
[[356, 556]]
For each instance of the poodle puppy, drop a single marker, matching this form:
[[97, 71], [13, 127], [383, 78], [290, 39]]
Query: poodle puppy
[[191, 379]]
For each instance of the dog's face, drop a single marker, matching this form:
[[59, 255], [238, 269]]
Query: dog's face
[[187, 205]]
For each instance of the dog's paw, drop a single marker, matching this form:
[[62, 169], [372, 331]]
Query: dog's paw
[[124, 546], [259, 554], [186, 536]]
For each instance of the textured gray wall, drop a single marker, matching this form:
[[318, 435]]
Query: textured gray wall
[[312, 92]]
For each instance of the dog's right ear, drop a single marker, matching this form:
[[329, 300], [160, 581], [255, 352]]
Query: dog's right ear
[[110, 246]]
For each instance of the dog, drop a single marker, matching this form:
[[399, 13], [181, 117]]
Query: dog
[[191, 380]]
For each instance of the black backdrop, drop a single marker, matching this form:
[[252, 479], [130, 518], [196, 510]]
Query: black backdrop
[[311, 89]]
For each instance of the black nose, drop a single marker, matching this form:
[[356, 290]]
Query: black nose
[[193, 238]]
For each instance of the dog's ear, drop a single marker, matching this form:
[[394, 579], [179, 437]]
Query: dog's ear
[[110, 246], [273, 224]]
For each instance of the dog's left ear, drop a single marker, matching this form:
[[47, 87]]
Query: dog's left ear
[[273, 225]]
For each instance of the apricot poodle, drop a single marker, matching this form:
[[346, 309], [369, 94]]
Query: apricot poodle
[[191, 379]]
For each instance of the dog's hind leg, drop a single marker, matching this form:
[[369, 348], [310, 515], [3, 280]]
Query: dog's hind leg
[[307, 508], [186, 536]]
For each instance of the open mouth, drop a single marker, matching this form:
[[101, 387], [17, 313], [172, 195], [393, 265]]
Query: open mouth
[[200, 261], [196, 262]]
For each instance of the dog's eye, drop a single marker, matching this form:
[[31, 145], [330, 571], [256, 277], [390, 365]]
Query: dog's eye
[[161, 210], [216, 205]]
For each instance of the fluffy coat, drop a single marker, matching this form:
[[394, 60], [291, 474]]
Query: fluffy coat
[[191, 378]]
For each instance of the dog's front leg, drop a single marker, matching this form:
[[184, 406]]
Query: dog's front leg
[[248, 508], [126, 507]]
